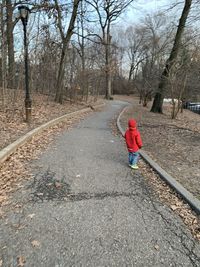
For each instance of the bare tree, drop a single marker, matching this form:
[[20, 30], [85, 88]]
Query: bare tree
[[146, 45], [10, 43], [177, 85], [44, 59], [81, 49], [135, 38], [3, 53], [65, 43], [107, 12], [158, 100]]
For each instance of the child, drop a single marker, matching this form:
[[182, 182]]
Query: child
[[133, 142]]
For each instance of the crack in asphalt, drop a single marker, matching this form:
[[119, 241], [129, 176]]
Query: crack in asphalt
[[83, 196], [47, 187], [195, 260], [152, 202], [99, 196]]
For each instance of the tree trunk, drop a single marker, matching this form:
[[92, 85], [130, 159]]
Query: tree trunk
[[10, 44], [108, 67], [158, 100], [3, 53], [60, 81], [85, 88], [66, 40], [131, 72]]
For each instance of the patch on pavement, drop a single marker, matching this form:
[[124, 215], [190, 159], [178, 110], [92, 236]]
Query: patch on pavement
[[47, 187]]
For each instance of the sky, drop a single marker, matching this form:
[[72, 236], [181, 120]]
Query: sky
[[142, 7]]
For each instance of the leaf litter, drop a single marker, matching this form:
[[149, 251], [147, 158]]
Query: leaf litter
[[15, 170]]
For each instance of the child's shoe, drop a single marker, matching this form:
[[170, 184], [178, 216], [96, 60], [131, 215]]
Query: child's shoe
[[135, 167]]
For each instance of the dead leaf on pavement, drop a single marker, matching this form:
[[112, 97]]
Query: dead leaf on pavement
[[40, 194], [1, 214], [174, 207], [31, 215], [35, 243], [58, 185], [21, 261]]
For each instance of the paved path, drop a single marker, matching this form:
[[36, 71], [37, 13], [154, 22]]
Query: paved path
[[109, 217]]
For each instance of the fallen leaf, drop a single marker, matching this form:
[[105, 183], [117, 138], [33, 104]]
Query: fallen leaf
[[21, 261], [40, 194], [194, 221], [35, 243], [31, 215], [1, 214], [58, 185], [173, 207]]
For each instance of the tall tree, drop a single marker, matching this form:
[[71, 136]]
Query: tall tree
[[3, 51], [159, 96], [82, 46], [10, 43], [107, 12], [65, 42]]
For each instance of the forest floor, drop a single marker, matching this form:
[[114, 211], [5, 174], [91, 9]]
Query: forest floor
[[173, 144], [44, 109]]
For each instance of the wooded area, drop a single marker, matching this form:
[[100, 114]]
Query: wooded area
[[59, 61], [83, 48]]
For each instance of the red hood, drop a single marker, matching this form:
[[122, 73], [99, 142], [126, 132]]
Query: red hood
[[132, 124]]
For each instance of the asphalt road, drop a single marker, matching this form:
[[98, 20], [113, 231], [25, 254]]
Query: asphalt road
[[85, 207]]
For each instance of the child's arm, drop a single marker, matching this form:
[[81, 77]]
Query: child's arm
[[139, 140]]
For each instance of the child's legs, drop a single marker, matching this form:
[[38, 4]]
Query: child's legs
[[135, 156], [130, 157]]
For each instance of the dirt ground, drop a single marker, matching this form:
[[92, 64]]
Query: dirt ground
[[173, 144]]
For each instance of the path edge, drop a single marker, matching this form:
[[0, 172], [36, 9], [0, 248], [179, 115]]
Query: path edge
[[184, 193], [7, 151]]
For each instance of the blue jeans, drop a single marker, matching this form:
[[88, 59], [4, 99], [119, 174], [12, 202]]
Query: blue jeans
[[133, 157]]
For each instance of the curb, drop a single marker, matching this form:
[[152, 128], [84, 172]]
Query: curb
[[10, 149], [185, 194]]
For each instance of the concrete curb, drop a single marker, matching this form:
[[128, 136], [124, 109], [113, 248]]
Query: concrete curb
[[185, 194], [10, 149]]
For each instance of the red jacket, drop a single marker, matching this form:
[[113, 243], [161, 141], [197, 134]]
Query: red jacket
[[132, 137]]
